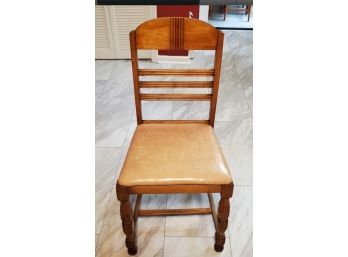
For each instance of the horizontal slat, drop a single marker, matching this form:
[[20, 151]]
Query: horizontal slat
[[176, 72], [174, 212], [175, 121], [177, 84], [175, 97]]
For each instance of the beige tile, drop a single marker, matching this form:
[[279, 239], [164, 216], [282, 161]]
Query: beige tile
[[112, 119], [229, 76], [232, 105], [106, 164], [246, 78], [175, 201], [120, 83], [101, 152], [193, 247], [235, 134], [157, 110], [236, 141], [240, 162], [243, 62], [99, 87], [190, 225], [103, 69], [127, 142], [241, 222], [150, 233], [153, 202], [250, 103], [186, 110], [101, 203], [96, 240]]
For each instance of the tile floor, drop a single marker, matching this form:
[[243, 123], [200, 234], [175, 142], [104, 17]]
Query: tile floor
[[115, 123], [233, 20]]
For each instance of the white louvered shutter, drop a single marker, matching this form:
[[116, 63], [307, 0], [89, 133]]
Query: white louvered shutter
[[104, 46], [123, 20]]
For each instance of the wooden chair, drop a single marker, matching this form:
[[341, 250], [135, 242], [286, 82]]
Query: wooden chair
[[175, 156]]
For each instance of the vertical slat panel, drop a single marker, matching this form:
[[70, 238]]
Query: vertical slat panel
[[181, 33], [172, 33], [176, 32]]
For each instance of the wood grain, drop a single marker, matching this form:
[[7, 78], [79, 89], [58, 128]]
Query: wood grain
[[174, 189], [176, 34], [213, 209], [175, 121], [175, 97], [157, 34], [134, 56], [176, 84], [127, 219], [222, 216], [137, 207], [176, 72], [217, 66]]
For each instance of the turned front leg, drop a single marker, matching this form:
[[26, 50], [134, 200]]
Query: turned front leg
[[127, 220], [222, 217]]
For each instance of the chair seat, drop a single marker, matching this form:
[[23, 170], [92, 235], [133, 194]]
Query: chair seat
[[174, 154]]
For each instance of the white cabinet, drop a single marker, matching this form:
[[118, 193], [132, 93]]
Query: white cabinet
[[104, 45], [112, 27]]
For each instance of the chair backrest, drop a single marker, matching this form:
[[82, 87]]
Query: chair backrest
[[176, 33]]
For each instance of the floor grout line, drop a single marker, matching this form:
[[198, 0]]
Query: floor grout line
[[229, 241], [112, 186], [105, 212], [164, 232], [243, 92]]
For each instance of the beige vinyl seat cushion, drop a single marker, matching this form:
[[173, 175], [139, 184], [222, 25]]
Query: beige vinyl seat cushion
[[174, 154]]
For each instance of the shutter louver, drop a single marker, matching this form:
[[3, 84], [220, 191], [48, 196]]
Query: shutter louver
[[124, 19], [104, 47]]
